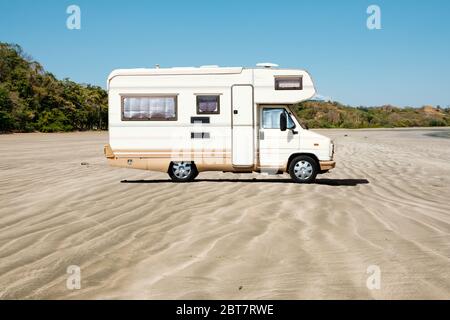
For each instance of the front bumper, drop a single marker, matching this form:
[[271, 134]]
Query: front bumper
[[327, 165]]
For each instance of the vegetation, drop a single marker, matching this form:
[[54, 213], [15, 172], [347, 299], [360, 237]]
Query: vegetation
[[32, 99], [321, 114]]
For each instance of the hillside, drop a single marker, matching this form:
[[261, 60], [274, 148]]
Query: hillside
[[321, 114], [32, 99]]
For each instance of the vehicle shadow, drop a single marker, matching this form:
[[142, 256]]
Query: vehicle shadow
[[328, 182]]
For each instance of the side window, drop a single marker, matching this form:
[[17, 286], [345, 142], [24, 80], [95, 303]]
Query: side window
[[152, 108], [289, 83], [271, 118], [208, 104]]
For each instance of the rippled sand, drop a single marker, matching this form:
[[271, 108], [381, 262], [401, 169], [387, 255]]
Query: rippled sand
[[226, 236]]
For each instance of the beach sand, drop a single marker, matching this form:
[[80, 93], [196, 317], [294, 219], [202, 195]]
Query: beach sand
[[226, 236]]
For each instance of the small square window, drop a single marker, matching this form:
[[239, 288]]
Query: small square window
[[208, 104], [289, 83]]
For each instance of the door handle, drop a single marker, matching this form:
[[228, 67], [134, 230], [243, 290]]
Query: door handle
[[261, 135]]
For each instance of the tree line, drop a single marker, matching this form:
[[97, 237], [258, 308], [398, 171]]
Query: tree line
[[331, 114], [32, 99]]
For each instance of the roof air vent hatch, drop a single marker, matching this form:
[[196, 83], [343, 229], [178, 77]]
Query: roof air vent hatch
[[267, 65]]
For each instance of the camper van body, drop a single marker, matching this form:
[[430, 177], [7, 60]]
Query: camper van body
[[212, 119]]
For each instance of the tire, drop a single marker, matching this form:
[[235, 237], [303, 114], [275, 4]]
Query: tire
[[303, 169], [182, 171]]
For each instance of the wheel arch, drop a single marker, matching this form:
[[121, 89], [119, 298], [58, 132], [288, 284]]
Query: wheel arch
[[312, 155]]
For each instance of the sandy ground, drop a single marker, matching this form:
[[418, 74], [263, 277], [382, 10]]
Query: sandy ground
[[226, 236]]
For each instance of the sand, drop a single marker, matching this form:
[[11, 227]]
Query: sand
[[226, 236]]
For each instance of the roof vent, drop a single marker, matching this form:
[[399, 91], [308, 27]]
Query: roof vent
[[267, 65]]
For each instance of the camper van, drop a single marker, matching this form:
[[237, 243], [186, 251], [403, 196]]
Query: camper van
[[186, 120]]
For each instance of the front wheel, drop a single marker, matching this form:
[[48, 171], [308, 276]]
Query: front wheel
[[182, 171], [303, 169]]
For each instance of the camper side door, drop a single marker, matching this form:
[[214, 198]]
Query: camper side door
[[242, 127]]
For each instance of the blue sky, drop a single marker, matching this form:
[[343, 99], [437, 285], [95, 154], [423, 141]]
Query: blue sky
[[407, 62]]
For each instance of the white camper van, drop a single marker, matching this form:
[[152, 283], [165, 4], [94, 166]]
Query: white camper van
[[186, 120]]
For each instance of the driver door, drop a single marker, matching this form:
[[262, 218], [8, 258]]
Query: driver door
[[275, 146]]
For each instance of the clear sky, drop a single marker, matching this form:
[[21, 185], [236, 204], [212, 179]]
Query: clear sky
[[407, 62]]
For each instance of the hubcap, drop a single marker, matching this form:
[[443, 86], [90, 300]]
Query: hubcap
[[303, 170], [181, 170]]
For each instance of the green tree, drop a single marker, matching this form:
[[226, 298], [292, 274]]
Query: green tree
[[33, 99]]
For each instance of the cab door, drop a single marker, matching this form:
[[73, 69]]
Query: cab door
[[275, 146]]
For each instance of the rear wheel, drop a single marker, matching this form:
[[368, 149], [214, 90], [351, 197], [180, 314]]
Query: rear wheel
[[303, 169], [182, 171]]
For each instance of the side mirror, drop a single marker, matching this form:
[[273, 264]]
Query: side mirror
[[283, 121]]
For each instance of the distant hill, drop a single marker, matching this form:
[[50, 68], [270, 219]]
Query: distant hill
[[32, 99], [328, 114]]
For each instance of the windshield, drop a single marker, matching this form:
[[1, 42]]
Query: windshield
[[300, 122], [271, 118]]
